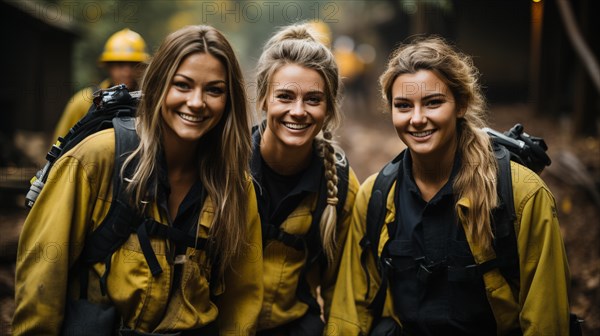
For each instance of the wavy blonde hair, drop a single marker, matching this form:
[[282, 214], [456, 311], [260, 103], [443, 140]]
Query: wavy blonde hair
[[224, 151], [476, 179], [298, 44]]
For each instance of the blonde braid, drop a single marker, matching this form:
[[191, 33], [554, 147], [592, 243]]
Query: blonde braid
[[476, 181], [329, 217]]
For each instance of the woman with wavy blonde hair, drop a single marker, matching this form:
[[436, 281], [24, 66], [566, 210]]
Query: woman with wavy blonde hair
[[191, 261], [437, 245], [295, 168]]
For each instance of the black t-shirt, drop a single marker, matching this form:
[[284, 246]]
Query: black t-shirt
[[277, 187], [278, 195]]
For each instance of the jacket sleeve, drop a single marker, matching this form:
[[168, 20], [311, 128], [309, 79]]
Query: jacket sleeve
[[349, 313], [545, 276], [344, 222], [241, 301], [50, 242]]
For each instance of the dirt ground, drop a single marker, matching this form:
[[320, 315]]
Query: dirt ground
[[369, 142]]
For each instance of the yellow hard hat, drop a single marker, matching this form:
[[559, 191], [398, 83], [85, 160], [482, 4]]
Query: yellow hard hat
[[124, 46]]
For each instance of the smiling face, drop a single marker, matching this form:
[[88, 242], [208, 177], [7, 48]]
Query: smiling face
[[196, 98], [296, 107], [424, 114]]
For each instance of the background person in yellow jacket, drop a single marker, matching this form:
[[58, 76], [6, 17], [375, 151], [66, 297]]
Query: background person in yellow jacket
[[293, 167], [122, 55], [439, 214], [190, 173]]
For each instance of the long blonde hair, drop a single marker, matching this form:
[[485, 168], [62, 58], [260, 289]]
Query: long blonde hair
[[476, 179], [224, 151], [298, 44]]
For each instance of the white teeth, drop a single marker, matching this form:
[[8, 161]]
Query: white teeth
[[421, 134], [190, 117], [296, 126]]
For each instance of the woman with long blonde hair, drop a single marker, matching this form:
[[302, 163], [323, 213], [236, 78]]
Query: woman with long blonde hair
[[297, 170], [190, 263], [437, 245]]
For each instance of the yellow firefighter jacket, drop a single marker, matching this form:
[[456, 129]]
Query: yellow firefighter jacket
[[74, 201], [542, 306]]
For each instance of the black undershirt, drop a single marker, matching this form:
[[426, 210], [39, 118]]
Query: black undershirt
[[277, 187]]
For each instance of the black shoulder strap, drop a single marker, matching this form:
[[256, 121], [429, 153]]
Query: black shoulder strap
[[107, 238], [504, 216], [376, 211], [104, 240], [343, 173]]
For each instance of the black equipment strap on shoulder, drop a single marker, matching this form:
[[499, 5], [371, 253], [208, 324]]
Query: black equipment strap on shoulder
[[376, 211], [503, 219], [111, 233], [315, 251]]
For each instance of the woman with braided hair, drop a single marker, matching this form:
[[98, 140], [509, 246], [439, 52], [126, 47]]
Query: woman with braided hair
[[305, 189], [468, 242]]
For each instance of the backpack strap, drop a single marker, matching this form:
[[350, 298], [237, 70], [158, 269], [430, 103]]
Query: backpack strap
[[504, 216], [110, 234], [315, 251], [376, 211]]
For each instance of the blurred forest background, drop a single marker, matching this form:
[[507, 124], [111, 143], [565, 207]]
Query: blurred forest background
[[538, 60]]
